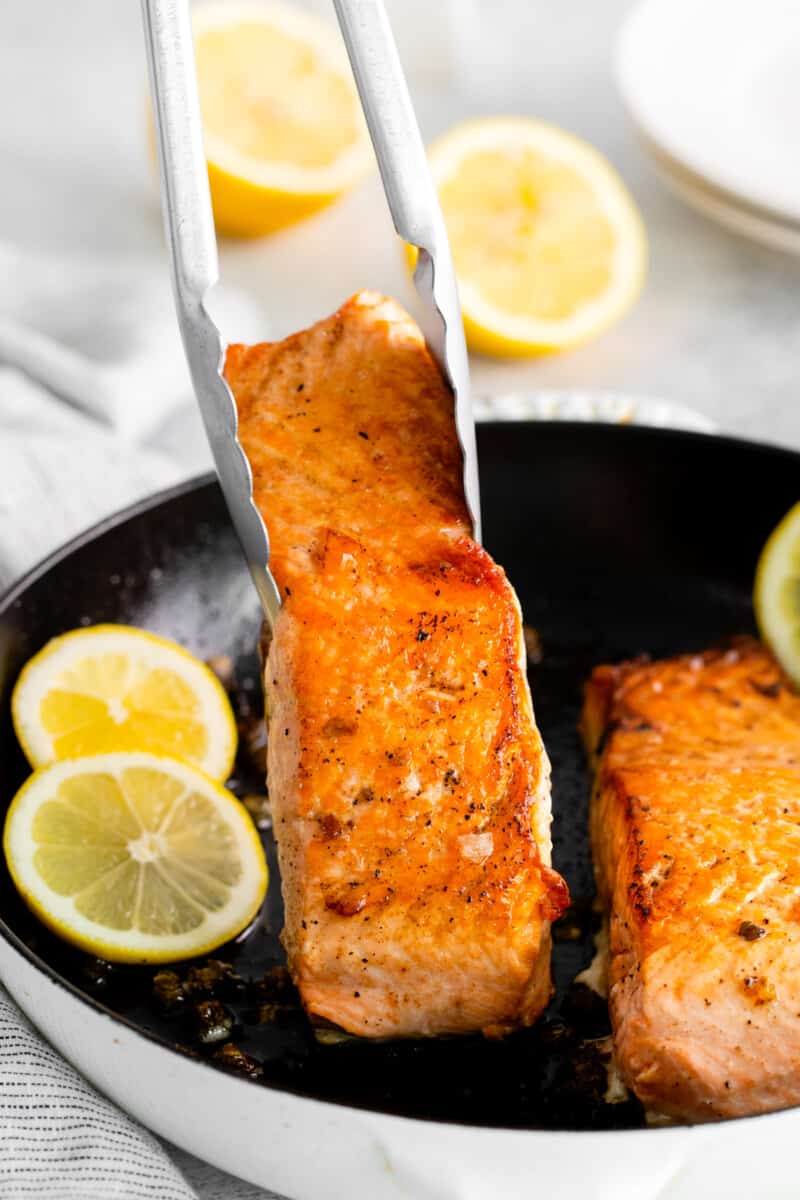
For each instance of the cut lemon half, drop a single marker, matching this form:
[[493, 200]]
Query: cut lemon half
[[110, 687], [282, 123], [548, 245], [133, 857], [776, 596]]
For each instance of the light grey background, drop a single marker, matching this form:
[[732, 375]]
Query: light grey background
[[716, 328], [717, 325]]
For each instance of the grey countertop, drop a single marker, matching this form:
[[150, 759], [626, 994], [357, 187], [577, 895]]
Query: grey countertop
[[716, 327]]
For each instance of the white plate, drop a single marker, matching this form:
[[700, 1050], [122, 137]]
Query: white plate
[[715, 85], [742, 218]]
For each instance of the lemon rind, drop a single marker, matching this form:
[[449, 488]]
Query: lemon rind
[[775, 629], [321, 183]]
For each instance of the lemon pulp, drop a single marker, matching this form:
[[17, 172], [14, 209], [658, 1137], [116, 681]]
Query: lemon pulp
[[283, 129], [548, 246], [109, 687], [134, 857]]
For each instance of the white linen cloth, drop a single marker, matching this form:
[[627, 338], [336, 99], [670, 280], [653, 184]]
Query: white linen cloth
[[91, 366], [95, 412], [101, 333]]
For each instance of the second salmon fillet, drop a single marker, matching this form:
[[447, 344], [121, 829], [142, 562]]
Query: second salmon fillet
[[408, 781], [696, 837]]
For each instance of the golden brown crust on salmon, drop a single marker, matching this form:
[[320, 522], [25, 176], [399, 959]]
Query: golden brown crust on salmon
[[408, 782], [696, 837]]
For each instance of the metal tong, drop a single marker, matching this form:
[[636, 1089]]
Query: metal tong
[[189, 224], [415, 209]]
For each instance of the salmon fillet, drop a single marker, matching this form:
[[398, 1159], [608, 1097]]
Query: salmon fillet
[[696, 836], [408, 782]]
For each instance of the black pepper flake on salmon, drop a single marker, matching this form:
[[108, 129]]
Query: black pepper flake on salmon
[[750, 931], [771, 690]]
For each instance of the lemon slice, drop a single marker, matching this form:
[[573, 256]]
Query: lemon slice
[[110, 687], [776, 595], [548, 245], [134, 857], [282, 124]]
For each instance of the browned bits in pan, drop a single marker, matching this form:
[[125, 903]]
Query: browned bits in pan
[[222, 666], [212, 1022], [275, 985], [234, 1059], [168, 991], [214, 978], [253, 743], [533, 645], [259, 809]]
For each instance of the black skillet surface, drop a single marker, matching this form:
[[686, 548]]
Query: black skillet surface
[[619, 541]]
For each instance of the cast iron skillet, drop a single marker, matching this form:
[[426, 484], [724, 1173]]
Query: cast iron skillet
[[619, 541]]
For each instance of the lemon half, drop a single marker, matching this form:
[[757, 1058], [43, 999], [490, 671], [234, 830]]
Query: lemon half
[[282, 124], [548, 245], [133, 857], [776, 596], [111, 687]]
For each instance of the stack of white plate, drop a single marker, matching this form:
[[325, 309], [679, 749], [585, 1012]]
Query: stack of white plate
[[713, 87]]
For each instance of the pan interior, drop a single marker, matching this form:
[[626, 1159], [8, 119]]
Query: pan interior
[[619, 541]]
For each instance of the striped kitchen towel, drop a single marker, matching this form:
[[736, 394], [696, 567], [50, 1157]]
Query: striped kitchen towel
[[60, 1139]]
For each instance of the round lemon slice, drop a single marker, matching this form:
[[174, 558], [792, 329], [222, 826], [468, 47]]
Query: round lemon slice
[[133, 857], [776, 596], [282, 124], [110, 687], [548, 245]]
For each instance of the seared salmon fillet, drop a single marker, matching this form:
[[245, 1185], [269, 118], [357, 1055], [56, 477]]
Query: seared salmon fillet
[[696, 836], [408, 782]]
